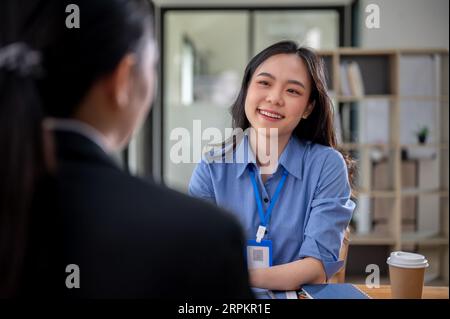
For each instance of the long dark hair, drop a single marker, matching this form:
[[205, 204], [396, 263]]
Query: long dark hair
[[71, 60], [318, 127]]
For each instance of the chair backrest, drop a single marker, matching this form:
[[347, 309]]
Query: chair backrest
[[339, 277]]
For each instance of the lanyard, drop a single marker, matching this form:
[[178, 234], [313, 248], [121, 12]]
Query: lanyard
[[265, 219]]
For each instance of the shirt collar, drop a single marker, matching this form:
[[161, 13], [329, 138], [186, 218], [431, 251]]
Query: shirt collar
[[291, 158], [79, 127]]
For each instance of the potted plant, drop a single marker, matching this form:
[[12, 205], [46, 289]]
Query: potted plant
[[422, 134]]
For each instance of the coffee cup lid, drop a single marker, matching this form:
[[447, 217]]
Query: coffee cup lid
[[407, 260]]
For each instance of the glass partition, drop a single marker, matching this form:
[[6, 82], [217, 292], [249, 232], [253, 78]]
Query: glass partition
[[204, 56]]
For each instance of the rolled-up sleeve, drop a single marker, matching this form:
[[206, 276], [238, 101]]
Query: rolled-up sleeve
[[330, 213], [200, 185]]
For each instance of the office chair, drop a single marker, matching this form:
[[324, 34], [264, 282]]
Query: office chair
[[339, 277]]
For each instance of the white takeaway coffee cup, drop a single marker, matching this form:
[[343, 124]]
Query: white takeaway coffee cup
[[406, 274]]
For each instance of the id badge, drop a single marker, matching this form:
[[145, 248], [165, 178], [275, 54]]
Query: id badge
[[259, 255]]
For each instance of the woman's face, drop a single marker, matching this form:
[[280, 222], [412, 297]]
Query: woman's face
[[278, 94]]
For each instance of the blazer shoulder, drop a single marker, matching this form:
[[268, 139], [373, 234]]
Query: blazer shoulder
[[184, 209]]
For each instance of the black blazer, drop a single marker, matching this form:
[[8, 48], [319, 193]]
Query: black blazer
[[129, 238]]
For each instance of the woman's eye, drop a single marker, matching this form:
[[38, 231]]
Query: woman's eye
[[264, 83], [292, 91]]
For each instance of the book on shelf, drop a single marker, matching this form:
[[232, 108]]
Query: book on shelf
[[355, 79], [351, 79], [345, 88]]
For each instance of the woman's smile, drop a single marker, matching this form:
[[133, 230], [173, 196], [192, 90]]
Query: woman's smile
[[269, 115]]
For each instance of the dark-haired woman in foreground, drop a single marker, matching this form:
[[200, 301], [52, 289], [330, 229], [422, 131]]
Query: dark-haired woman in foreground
[[293, 200], [72, 223]]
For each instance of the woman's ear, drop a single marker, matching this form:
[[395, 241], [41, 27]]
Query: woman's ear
[[122, 81], [308, 110]]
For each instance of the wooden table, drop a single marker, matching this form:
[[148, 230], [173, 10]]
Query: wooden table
[[384, 292]]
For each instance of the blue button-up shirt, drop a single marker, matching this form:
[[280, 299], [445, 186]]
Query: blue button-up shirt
[[313, 209]]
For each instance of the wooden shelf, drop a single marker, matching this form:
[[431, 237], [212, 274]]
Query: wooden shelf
[[405, 192], [362, 51], [354, 146], [423, 98], [443, 146], [377, 193], [423, 238], [343, 98], [430, 51], [384, 185], [359, 51], [372, 239]]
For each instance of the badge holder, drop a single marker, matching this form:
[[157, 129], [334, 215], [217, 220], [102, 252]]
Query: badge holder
[[259, 254]]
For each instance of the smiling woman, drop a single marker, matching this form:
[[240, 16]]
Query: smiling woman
[[295, 218]]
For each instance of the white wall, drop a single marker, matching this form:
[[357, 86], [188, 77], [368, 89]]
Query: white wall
[[406, 23]]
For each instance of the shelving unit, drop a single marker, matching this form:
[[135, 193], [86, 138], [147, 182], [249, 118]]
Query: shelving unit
[[404, 180]]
